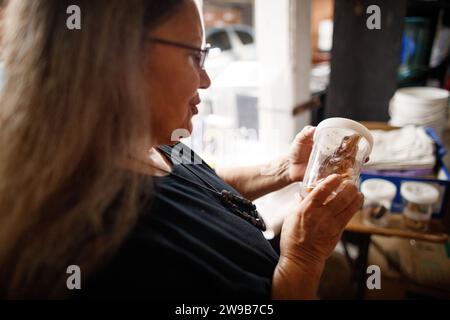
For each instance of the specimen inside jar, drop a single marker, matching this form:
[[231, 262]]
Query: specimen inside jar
[[342, 160], [415, 224], [415, 217]]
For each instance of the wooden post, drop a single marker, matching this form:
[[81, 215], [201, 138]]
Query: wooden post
[[364, 62]]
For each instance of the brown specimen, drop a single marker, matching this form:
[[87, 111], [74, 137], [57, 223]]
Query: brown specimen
[[343, 158]]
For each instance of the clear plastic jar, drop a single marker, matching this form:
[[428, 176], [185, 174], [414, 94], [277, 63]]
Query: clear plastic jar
[[418, 200], [341, 146], [378, 197]]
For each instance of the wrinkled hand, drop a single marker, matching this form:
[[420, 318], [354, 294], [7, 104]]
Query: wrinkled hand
[[311, 232], [299, 153]]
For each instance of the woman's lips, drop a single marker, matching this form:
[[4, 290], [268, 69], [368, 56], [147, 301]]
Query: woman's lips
[[194, 109], [194, 105]]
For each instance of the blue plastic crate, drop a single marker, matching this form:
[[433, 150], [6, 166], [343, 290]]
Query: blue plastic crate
[[443, 183]]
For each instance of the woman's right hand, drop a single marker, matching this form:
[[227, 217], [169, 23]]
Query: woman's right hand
[[309, 235]]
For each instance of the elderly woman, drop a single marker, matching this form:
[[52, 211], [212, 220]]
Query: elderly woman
[[90, 176]]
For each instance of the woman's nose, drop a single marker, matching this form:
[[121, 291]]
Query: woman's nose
[[205, 81]]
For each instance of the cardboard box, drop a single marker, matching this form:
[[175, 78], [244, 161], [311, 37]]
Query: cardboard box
[[419, 267]]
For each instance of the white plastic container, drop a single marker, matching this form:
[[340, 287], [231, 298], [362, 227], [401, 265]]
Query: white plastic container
[[341, 146], [418, 199], [378, 197]]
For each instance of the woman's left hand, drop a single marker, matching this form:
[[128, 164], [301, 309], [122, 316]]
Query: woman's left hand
[[299, 153]]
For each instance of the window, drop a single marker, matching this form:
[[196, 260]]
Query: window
[[246, 115], [219, 39], [245, 37]]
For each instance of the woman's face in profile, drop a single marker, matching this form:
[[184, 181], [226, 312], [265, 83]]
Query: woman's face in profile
[[174, 75]]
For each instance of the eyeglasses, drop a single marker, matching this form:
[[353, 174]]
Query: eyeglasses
[[203, 52]]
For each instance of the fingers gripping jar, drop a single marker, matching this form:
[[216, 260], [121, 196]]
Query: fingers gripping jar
[[341, 146]]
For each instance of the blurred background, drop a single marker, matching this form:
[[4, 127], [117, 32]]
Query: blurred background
[[277, 66], [271, 66]]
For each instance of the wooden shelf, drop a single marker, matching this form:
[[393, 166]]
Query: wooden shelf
[[396, 228]]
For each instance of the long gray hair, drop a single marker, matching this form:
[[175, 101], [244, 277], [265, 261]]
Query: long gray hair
[[72, 106]]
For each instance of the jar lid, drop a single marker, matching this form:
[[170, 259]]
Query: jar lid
[[419, 192], [346, 124], [378, 189]]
